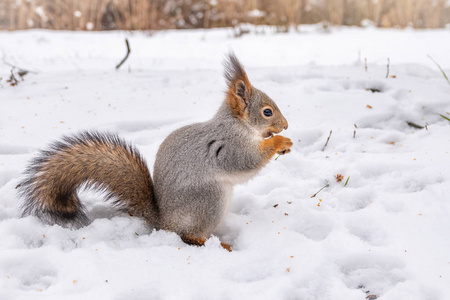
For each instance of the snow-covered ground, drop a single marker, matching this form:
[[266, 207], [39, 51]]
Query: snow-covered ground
[[385, 233]]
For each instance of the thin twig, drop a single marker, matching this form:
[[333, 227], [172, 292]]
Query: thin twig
[[21, 70], [12, 79], [328, 139], [414, 125], [387, 73], [327, 185], [126, 56], [354, 132]]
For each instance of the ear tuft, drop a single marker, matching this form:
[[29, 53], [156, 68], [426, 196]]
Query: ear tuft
[[234, 72]]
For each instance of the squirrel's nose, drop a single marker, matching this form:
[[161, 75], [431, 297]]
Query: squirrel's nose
[[285, 124]]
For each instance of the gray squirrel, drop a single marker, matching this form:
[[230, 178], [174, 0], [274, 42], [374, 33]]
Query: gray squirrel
[[195, 169]]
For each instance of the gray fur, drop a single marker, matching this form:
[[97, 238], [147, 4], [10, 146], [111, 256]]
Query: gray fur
[[193, 172], [195, 169], [233, 69], [197, 165]]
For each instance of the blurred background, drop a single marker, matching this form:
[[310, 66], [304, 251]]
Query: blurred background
[[187, 14]]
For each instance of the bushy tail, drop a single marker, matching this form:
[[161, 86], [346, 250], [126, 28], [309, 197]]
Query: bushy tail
[[91, 159]]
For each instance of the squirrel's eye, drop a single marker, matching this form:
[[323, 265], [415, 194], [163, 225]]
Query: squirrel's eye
[[267, 112]]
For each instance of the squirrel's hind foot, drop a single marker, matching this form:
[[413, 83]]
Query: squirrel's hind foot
[[190, 240]]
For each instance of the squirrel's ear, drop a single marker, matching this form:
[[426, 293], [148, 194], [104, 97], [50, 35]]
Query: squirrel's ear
[[239, 87], [241, 90]]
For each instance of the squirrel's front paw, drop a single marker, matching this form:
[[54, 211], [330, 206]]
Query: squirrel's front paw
[[283, 144]]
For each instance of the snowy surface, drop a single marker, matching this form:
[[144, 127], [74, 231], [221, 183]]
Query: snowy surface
[[385, 233]]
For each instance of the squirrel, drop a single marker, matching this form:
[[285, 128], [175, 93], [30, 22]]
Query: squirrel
[[195, 168]]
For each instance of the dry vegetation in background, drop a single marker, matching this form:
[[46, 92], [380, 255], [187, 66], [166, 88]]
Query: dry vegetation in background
[[181, 14]]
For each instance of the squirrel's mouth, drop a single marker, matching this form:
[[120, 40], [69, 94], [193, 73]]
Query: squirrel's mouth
[[270, 133]]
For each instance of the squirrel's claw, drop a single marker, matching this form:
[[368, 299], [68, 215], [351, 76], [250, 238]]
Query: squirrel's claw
[[284, 152]]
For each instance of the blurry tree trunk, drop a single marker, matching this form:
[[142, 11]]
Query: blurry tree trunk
[[206, 14], [98, 15], [12, 14]]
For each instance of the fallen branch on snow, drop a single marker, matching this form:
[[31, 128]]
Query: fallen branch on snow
[[126, 56]]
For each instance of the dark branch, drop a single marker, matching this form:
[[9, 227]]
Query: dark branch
[[126, 56]]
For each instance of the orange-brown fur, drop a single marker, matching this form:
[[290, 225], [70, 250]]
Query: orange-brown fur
[[193, 240], [236, 102], [201, 241], [276, 144]]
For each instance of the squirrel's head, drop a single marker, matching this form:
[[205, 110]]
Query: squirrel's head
[[250, 104]]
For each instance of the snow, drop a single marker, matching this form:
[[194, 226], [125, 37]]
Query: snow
[[385, 233]]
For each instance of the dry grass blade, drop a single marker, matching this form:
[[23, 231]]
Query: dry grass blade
[[327, 185], [388, 63], [328, 139], [442, 71], [444, 117], [347, 181]]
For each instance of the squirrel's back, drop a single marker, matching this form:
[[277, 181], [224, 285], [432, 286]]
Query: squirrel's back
[[91, 159]]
